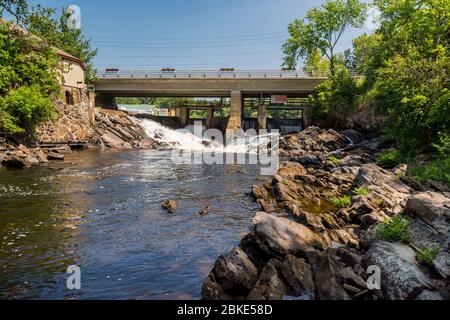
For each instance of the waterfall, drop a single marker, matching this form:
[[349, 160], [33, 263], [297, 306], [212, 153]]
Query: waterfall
[[186, 140]]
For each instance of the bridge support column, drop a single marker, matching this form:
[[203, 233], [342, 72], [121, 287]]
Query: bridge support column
[[262, 116], [305, 118], [209, 117], [106, 102], [182, 114], [235, 121]]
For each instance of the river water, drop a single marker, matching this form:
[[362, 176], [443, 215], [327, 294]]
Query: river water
[[102, 211]]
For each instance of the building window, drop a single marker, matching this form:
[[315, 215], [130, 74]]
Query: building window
[[69, 98]]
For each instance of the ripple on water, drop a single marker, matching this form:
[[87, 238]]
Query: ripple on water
[[102, 211]]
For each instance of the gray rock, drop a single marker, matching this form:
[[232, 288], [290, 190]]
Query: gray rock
[[326, 269], [432, 207], [269, 285], [402, 279], [298, 275], [212, 291], [235, 272], [284, 237], [309, 161], [353, 135], [429, 295]]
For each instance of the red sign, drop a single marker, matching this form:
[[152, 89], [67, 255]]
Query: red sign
[[278, 99]]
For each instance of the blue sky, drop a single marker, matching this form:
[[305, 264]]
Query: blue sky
[[190, 34]]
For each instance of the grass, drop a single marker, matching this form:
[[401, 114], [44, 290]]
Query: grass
[[342, 202], [437, 170], [334, 160], [428, 254], [361, 191], [391, 159], [395, 229]]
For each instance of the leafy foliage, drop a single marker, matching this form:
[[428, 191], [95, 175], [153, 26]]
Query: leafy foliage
[[405, 64], [334, 160], [42, 22], [29, 77], [437, 170], [321, 30], [361, 191], [334, 98], [395, 229], [390, 159], [342, 202], [25, 108], [427, 254]]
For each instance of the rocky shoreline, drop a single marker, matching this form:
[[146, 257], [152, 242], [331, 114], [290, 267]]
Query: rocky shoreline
[[111, 130], [317, 236]]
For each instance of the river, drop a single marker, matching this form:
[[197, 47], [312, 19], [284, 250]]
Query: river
[[101, 211]]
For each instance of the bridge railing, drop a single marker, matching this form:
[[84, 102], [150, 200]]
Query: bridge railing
[[212, 74]]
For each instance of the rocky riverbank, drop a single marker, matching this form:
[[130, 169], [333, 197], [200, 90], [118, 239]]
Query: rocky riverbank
[[111, 130], [318, 234]]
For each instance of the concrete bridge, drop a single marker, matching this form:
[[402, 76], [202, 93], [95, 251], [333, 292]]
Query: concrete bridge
[[236, 85]]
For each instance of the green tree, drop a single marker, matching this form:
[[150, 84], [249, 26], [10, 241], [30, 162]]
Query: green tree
[[29, 72], [405, 64], [42, 22], [17, 8], [335, 98], [321, 30]]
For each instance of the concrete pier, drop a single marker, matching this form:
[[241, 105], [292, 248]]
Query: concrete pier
[[235, 121], [183, 115], [262, 116]]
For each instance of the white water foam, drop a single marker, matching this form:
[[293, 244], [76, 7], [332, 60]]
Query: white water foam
[[186, 140]]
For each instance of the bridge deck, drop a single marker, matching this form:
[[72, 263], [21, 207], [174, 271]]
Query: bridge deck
[[207, 83]]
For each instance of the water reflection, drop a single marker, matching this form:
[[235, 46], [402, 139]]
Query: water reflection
[[102, 212]]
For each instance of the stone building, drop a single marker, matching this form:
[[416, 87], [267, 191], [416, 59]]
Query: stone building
[[75, 106]]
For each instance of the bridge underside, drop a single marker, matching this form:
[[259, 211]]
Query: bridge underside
[[236, 89]]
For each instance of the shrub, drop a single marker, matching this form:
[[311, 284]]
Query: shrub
[[438, 170], [396, 229], [361, 191], [334, 160], [427, 254], [342, 202], [391, 159], [23, 109], [335, 98]]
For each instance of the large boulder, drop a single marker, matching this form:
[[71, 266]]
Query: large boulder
[[433, 208], [235, 272], [432, 229], [282, 236], [386, 188], [401, 277]]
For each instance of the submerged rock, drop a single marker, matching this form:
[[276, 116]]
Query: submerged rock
[[170, 206], [205, 211]]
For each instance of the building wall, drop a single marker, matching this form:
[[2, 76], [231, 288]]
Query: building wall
[[73, 74], [75, 118]]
